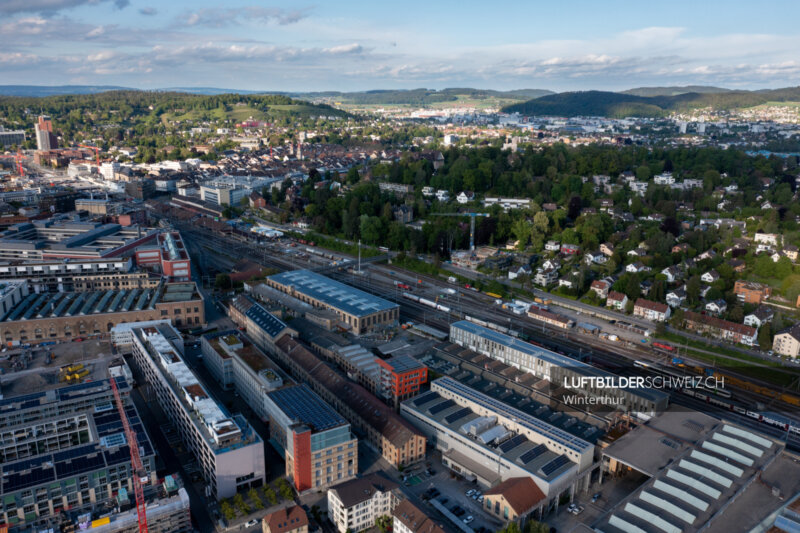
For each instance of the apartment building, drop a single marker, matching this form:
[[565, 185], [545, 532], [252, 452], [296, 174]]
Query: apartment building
[[63, 450], [655, 311], [750, 292], [315, 441], [719, 328], [400, 443], [229, 453], [408, 518], [400, 377], [237, 364], [787, 342], [354, 505]]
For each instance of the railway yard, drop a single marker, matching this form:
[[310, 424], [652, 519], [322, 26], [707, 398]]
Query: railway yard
[[435, 303]]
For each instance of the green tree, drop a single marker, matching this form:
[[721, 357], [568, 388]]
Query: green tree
[[269, 494], [255, 498], [223, 281], [541, 223], [765, 337]]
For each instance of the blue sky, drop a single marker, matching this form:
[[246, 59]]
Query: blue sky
[[349, 45]]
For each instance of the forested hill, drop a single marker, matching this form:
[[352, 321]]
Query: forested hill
[[424, 96], [131, 107], [609, 104]]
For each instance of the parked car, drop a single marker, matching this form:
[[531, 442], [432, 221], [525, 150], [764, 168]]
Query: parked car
[[596, 497], [251, 523], [469, 519]]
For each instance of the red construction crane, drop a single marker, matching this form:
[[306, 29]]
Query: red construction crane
[[139, 473], [96, 151], [18, 159]]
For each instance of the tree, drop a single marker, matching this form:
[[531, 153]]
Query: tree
[[541, 223], [269, 493], [255, 498], [765, 337], [693, 289], [223, 281]]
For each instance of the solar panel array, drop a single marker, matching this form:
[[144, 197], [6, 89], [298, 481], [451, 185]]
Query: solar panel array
[[461, 413], [530, 455], [333, 293], [300, 403], [525, 420], [439, 407], [555, 464], [512, 443], [425, 398]]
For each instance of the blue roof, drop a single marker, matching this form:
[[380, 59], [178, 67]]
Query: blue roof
[[334, 294], [302, 405], [271, 324]]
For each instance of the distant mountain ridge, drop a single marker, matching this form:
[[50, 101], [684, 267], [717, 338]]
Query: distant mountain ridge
[[674, 91], [618, 105]]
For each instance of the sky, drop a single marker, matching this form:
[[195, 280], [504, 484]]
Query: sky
[[345, 45]]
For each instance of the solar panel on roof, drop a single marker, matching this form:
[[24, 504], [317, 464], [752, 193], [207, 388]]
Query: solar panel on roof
[[530, 455], [425, 398], [555, 464], [512, 443], [439, 407], [461, 413]]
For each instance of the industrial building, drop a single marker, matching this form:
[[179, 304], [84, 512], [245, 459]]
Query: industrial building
[[229, 453], [48, 316], [359, 311], [399, 442], [264, 328], [314, 440], [12, 293], [64, 456], [558, 369], [66, 239], [167, 255], [236, 364], [705, 474], [489, 441], [221, 194], [354, 505], [78, 275]]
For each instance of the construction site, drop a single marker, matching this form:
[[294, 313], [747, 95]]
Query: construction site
[[51, 365]]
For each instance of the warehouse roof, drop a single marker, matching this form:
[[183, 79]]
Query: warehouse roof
[[332, 293]]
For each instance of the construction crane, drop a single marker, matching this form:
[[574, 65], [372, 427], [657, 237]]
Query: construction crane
[[18, 159], [139, 473], [96, 151], [472, 217]]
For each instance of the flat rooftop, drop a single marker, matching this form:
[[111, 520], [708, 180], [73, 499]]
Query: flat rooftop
[[107, 444], [491, 436], [61, 237], [66, 304], [332, 293], [222, 431], [302, 405], [548, 356]]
